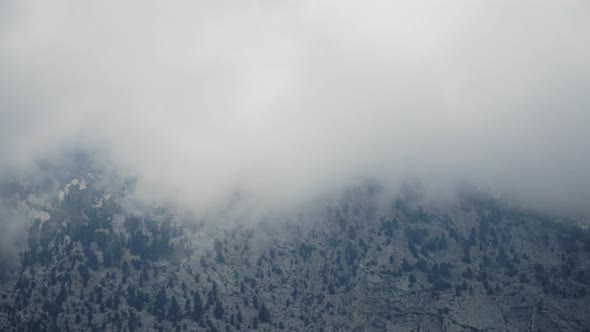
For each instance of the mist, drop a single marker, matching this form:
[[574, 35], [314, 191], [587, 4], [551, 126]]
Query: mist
[[284, 101]]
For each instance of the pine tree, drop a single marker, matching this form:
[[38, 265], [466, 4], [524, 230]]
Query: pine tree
[[240, 317], [187, 308], [174, 311], [161, 300], [263, 314], [218, 311], [197, 313]]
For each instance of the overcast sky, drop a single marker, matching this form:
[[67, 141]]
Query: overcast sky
[[283, 100]]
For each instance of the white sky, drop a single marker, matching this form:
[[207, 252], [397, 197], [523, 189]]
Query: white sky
[[284, 100]]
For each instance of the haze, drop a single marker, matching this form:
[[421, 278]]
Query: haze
[[282, 101]]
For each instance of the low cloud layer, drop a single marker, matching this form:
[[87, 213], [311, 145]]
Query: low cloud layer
[[284, 100]]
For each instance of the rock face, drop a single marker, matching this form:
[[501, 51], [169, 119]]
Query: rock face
[[88, 263]]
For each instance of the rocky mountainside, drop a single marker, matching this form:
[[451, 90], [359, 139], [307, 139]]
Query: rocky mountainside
[[90, 261]]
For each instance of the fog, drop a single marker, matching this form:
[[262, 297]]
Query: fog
[[283, 101]]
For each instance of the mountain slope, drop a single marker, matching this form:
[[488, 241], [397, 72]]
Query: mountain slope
[[90, 262]]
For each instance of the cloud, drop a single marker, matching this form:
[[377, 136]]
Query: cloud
[[281, 101], [13, 225]]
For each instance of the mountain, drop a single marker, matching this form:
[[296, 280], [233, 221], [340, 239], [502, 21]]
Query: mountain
[[90, 259]]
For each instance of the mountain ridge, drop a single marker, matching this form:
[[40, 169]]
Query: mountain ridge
[[476, 265]]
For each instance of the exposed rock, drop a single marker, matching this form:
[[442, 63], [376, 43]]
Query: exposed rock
[[474, 266]]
